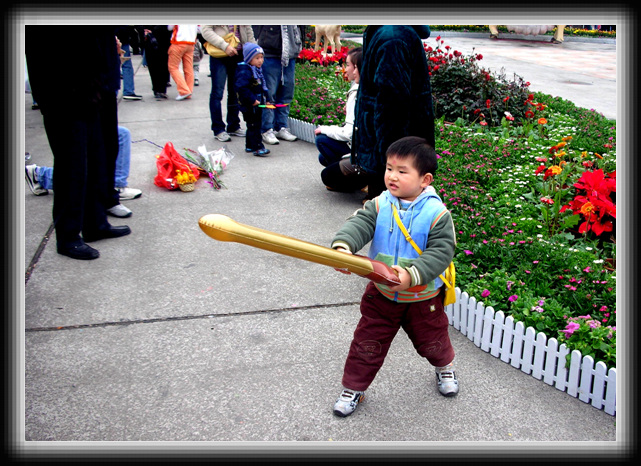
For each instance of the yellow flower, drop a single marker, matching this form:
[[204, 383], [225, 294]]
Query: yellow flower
[[555, 169], [584, 154]]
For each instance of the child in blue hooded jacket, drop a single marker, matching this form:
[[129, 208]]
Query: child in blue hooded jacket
[[410, 230], [252, 92]]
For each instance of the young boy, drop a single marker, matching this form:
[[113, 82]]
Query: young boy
[[416, 304], [252, 92]]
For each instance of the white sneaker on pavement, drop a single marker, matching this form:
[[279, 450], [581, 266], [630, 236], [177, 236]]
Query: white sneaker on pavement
[[285, 135], [269, 137], [120, 211], [126, 193], [239, 132], [223, 136]]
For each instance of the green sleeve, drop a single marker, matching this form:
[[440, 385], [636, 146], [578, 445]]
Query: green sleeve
[[358, 230]]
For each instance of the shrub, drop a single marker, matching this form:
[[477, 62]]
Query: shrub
[[463, 89]]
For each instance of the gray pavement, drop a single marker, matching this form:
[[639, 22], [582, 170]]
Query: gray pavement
[[171, 337]]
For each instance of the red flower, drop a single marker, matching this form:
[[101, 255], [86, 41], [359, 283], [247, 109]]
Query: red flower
[[595, 204], [488, 103]]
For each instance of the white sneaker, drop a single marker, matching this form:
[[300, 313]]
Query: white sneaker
[[239, 132], [223, 136], [285, 135], [347, 402], [446, 380], [120, 211], [32, 181], [269, 137], [126, 194], [183, 97]]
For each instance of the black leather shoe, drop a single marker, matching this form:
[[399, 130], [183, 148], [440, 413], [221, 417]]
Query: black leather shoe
[[82, 252], [111, 232]]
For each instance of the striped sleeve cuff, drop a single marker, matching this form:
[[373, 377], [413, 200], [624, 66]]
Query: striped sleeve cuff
[[416, 276]]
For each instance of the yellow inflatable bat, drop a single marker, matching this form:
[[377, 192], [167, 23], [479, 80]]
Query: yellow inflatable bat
[[223, 228]]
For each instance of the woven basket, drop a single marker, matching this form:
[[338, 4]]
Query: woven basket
[[187, 187]]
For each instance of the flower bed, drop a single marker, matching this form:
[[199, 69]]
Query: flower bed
[[531, 182]]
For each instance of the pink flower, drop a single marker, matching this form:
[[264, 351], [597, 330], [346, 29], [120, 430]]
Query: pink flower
[[485, 293], [512, 298], [570, 328], [468, 252]]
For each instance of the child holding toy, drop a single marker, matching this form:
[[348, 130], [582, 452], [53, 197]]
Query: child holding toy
[[252, 92], [411, 230]]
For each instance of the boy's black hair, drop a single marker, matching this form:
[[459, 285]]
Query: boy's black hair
[[356, 55], [417, 148]]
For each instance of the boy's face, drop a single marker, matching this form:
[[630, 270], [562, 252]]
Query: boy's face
[[403, 180], [257, 61]]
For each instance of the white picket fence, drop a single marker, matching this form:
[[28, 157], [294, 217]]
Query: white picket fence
[[302, 130], [533, 353]]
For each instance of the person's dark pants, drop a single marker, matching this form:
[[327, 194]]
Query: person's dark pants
[[85, 147], [158, 63], [223, 70], [340, 176], [330, 150], [253, 118], [425, 323]]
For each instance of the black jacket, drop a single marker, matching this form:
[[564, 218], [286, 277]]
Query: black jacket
[[394, 96]]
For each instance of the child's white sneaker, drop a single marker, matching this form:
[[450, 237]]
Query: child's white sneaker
[[347, 402], [446, 380]]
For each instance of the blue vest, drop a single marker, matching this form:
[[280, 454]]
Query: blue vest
[[390, 246]]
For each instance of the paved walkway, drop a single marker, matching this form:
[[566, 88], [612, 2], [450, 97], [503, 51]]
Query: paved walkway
[[173, 337]]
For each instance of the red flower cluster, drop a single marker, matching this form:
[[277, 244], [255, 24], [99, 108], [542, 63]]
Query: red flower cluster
[[324, 59], [593, 201]]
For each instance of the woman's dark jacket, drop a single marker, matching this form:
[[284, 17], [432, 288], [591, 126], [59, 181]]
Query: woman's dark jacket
[[395, 97]]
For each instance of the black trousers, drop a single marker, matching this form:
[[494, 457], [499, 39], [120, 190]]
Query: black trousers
[[85, 147], [158, 63], [253, 118]]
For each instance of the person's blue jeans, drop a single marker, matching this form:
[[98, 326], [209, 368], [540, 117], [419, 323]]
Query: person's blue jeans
[[223, 70], [282, 91], [45, 174], [330, 150], [45, 177], [123, 161], [127, 73]]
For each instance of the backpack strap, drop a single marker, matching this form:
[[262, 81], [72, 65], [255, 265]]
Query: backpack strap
[[450, 269]]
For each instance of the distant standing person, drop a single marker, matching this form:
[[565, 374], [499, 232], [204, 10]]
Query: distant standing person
[[252, 93], [181, 50], [126, 35], [156, 45], [224, 70], [394, 99], [282, 45]]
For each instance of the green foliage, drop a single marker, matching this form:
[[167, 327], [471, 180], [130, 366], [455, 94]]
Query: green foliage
[[515, 252]]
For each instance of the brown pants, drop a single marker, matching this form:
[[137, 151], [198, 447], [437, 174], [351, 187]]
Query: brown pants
[[425, 323]]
